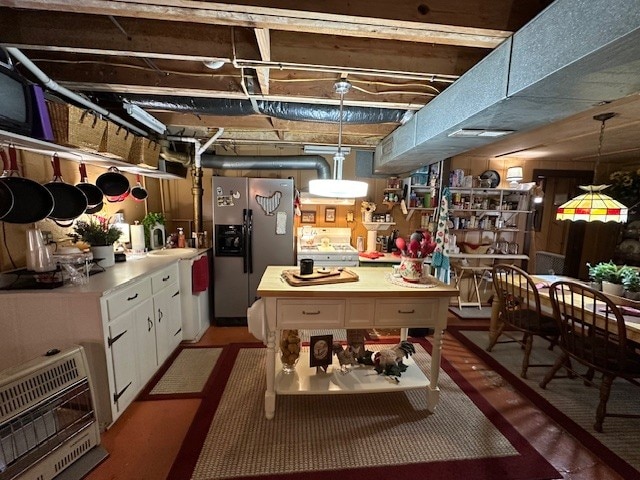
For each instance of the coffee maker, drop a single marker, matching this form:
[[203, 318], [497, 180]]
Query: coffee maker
[[391, 242]]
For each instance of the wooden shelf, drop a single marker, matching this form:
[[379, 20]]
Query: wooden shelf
[[361, 379]]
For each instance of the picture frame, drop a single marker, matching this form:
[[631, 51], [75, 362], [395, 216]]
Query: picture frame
[[330, 214], [307, 216], [320, 350]]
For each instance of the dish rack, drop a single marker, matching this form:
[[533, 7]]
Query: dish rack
[[47, 415]]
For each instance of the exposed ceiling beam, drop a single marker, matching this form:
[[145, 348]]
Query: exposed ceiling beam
[[264, 45]]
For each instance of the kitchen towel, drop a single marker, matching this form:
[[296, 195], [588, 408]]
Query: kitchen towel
[[200, 275], [256, 320]]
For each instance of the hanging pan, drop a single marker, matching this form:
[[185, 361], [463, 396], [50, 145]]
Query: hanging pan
[[139, 193], [31, 201], [95, 208], [69, 201], [113, 184], [6, 200], [94, 194]]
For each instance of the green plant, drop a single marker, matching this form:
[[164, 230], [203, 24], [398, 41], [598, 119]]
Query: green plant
[[607, 272], [631, 279], [96, 232], [149, 220]]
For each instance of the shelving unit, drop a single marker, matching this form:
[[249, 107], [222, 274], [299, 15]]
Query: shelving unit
[[424, 190], [495, 216], [42, 147]]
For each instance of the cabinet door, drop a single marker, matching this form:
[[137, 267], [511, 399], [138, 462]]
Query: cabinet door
[[166, 306], [121, 343], [145, 328]]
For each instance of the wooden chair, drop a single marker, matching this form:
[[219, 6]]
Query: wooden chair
[[602, 347], [520, 310]]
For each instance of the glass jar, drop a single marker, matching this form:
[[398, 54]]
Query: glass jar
[[289, 350]]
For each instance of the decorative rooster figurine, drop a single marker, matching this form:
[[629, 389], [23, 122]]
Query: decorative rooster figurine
[[346, 356], [389, 360]]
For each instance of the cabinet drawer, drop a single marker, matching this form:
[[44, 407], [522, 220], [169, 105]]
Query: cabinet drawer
[[359, 313], [310, 314], [165, 277], [128, 297], [398, 313]]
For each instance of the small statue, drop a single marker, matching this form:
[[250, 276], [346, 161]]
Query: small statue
[[389, 360], [346, 357]]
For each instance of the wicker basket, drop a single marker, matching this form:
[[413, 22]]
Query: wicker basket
[[116, 141], [75, 127], [144, 153]]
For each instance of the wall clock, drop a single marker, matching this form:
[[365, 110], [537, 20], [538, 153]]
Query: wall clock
[[492, 176]]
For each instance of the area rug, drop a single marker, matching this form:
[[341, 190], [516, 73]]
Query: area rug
[[469, 313], [360, 437], [184, 375], [567, 401]]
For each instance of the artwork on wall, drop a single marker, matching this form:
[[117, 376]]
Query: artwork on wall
[[308, 216], [330, 215]]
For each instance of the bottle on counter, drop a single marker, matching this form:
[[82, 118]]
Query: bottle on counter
[[182, 241]]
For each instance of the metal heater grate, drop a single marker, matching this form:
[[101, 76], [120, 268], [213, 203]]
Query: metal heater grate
[[548, 263], [47, 416]]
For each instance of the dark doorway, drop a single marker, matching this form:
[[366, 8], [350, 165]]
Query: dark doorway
[[559, 237]]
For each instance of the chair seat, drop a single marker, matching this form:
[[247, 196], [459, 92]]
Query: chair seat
[[596, 348], [529, 320]]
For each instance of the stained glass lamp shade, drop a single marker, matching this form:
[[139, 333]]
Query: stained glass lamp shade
[[593, 206]]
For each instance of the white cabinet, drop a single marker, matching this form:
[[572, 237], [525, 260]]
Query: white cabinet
[[143, 325], [167, 311], [122, 351]]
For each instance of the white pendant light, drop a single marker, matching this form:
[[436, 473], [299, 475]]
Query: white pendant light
[[594, 206], [337, 187]]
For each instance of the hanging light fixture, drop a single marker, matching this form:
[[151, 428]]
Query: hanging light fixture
[[336, 186], [594, 206]]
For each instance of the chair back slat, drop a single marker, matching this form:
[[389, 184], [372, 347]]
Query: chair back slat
[[518, 296], [592, 328]]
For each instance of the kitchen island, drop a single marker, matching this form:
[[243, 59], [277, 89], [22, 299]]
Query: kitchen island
[[372, 301]]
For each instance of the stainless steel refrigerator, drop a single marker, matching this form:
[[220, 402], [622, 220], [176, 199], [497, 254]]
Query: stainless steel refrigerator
[[253, 228]]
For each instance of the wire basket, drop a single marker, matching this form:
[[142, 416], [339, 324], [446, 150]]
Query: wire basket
[[144, 153], [75, 127], [116, 141]]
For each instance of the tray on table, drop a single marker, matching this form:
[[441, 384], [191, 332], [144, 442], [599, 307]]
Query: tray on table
[[335, 275]]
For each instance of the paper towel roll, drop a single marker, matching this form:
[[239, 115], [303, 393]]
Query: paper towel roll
[[137, 238]]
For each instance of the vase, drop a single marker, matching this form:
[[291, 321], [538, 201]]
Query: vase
[[104, 255], [411, 269], [612, 288], [289, 350]]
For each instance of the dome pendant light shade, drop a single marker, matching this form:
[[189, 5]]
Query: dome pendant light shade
[[594, 206], [337, 187]]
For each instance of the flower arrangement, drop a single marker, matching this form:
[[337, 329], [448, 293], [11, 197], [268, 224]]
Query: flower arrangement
[[367, 207], [625, 186], [96, 232]]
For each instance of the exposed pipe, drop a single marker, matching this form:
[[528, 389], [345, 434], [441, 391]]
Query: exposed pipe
[[52, 85], [284, 162]]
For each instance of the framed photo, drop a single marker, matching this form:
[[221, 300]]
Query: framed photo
[[330, 215], [308, 216], [320, 350]]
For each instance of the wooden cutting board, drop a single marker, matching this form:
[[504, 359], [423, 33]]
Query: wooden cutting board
[[294, 278]]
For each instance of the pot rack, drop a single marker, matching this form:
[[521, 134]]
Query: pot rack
[[42, 147]]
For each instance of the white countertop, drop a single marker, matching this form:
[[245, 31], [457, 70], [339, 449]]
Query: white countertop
[[113, 278]]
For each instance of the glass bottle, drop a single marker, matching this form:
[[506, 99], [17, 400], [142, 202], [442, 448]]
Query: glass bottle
[[182, 241]]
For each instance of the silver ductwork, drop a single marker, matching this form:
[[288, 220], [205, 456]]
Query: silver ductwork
[[284, 162], [283, 110], [573, 56]]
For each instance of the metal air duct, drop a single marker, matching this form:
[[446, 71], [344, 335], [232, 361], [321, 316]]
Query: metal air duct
[[284, 162], [572, 56]]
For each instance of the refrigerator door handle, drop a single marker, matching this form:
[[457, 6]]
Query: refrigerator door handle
[[250, 240], [245, 233]]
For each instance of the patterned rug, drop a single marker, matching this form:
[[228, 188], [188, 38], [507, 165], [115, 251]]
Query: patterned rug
[[567, 401], [184, 375], [382, 435]]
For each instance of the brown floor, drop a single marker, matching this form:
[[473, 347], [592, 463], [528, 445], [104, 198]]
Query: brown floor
[[145, 440]]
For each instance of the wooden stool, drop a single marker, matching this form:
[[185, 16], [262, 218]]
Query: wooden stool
[[475, 274]]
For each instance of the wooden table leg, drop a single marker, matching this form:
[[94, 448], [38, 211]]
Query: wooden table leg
[[494, 322]]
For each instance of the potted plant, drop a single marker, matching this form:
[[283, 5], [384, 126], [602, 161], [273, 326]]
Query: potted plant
[[154, 223], [610, 275], [101, 236], [631, 283]]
